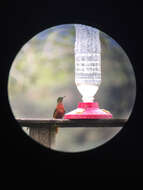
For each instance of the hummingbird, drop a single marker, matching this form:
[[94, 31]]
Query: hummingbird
[[59, 111], [58, 114]]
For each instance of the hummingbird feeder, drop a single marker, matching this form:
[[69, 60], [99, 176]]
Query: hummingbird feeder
[[87, 73]]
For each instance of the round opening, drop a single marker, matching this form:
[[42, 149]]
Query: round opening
[[44, 69]]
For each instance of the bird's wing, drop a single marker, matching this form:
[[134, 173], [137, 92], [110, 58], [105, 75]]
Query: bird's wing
[[54, 114]]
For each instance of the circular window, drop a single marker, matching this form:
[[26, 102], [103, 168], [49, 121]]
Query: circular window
[[44, 70]]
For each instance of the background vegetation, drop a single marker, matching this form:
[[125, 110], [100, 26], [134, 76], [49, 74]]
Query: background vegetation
[[44, 69]]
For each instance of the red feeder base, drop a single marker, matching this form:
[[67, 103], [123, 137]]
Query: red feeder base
[[88, 110]]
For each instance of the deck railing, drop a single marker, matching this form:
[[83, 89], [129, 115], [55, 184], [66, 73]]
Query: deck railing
[[40, 129]]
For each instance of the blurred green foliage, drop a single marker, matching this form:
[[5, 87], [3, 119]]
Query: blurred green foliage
[[44, 69]]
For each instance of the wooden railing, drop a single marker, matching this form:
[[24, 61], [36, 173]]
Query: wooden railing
[[41, 129], [32, 123]]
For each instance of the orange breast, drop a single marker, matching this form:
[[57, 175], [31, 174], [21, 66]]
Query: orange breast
[[60, 106], [59, 113]]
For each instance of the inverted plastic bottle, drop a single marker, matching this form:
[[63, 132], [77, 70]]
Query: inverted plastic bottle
[[87, 73], [87, 61]]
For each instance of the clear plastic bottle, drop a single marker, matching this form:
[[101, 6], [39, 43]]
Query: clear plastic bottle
[[87, 61]]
